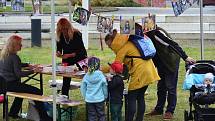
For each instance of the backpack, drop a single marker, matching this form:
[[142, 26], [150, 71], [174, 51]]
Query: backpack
[[144, 46]]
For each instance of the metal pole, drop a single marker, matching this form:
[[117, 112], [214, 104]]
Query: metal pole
[[85, 4], [54, 88], [201, 30], [70, 10]]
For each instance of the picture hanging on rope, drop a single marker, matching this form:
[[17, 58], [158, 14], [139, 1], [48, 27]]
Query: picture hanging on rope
[[179, 6], [148, 23], [81, 15], [2, 4], [17, 5], [37, 7], [127, 25], [104, 25]]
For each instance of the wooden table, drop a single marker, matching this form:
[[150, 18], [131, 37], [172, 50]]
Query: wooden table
[[76, 75]]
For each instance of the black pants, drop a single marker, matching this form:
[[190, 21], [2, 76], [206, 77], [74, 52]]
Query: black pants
[[136, 100], [96, 111], [66, 86], [167, 90], [16, 86]]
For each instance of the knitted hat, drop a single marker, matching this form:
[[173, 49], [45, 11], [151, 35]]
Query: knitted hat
[[209, 76], [117, 66], [93, 64]]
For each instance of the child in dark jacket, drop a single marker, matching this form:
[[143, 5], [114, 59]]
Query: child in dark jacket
[[115, 88]]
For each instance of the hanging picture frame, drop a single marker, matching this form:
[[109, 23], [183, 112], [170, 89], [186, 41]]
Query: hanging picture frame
[[2, 4], [149, 23], [127, 25], [37, 7], [17, 5], [81, 15], [104, 25]]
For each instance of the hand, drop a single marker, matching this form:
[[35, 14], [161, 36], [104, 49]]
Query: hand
[[38, 69], [190, 60], [58, 54]]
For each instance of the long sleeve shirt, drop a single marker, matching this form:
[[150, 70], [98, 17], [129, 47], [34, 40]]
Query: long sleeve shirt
[[75, 45], [11, 68]]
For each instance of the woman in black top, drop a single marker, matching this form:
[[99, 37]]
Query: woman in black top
[[70, 48], [167, 61]]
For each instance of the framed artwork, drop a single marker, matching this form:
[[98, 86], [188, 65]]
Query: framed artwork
[[127, 25], [2, 3], [17, 5], [37, 7], [83, 63], [104, 25], [181, 5], [148, 23], [81, 15]]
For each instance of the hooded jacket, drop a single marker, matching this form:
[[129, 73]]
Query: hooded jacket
[[142, 72], [94, 87]]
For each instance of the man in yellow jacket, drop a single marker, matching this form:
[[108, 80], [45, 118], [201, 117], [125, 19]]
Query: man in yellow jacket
[[142, 73]]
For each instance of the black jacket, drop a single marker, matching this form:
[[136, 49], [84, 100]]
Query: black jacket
[[115, 89], [76, 45], [168, 52]]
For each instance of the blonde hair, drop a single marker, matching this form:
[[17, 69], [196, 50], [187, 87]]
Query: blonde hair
[[9, 46], [65, 27]]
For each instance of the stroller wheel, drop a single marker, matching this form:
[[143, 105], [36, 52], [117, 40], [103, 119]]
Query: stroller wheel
[[186, 115]]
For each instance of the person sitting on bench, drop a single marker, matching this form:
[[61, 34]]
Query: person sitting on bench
[[10, 69]]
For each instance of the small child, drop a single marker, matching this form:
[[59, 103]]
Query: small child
[[207, 84], [209, 78], [115, 88], [94, 91], [206, 97]]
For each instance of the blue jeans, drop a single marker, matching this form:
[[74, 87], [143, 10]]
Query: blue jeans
[[167, 90], [136, 99], [116, 112]]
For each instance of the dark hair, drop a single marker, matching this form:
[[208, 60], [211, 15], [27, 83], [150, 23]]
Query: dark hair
[[93, 64], [108, 37]]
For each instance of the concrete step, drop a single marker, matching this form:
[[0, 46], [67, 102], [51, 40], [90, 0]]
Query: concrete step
[[209, 18], [92, 27]]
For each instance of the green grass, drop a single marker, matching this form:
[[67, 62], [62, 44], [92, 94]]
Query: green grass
[[43, 56]]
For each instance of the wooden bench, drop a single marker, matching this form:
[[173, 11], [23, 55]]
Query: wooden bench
[[68, 104]]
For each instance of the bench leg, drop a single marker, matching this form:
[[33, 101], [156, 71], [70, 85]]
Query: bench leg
[[5, 108], [59, 112]]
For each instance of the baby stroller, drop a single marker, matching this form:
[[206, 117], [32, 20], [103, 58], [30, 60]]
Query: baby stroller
[[201, 97]]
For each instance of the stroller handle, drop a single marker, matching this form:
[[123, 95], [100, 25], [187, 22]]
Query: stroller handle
[[208, 65]]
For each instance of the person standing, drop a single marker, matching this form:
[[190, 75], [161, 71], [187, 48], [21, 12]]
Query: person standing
[[142, 73], [70, 48], [167, 61], [115, 89], [11, 71], [94, 91]]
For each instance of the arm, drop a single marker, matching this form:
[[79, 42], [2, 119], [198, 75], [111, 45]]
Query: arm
[[175, 46], [59, 48], [17, 67], [81, 48], [104, 86]]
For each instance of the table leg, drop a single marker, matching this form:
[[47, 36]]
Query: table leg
[[41, 82]]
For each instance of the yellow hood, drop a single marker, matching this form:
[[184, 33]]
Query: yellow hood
[[118, 42]]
